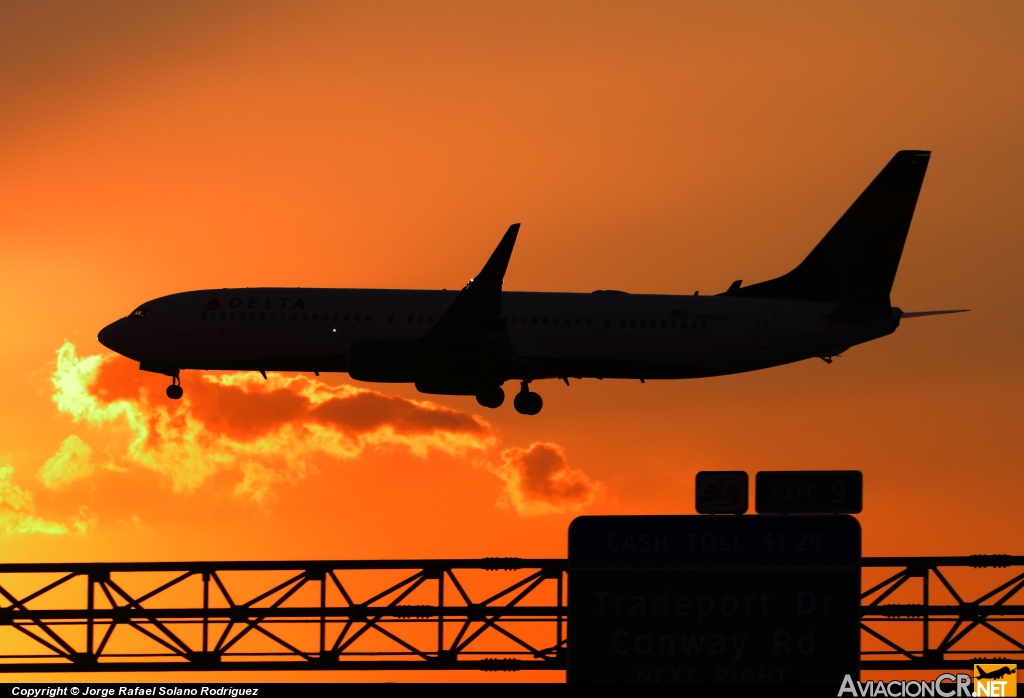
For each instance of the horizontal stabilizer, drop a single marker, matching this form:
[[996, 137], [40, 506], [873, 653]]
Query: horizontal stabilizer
[[925, 313]]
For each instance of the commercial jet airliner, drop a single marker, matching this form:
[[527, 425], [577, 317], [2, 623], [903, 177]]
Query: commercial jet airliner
[[473, 341]]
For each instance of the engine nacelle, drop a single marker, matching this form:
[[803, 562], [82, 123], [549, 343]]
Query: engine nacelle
[[434, 384], [385, 361], [406, 361]]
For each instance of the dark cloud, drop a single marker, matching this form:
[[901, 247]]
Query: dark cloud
[[266, 433], [248, 409], [367, 411]]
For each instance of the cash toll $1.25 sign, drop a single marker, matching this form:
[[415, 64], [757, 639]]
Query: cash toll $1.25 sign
[[724, 599]]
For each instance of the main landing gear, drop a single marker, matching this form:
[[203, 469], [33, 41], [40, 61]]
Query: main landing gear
[[174, 390], [526, 402], [491, 397]]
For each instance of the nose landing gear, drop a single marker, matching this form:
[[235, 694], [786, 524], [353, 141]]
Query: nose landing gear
[[174, 390], [526, 402]]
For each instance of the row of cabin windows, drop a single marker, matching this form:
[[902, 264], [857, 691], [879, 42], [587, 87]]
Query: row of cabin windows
[[515, 321], [308, 317], [420, 319], [623, 324]]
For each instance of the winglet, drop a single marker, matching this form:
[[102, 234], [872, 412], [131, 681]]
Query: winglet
[[497, 264], [479, 302]]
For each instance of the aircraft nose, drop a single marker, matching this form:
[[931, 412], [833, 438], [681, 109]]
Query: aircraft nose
[[111, 336]]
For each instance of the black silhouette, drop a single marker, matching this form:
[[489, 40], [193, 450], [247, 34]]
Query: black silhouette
[[474, 341]]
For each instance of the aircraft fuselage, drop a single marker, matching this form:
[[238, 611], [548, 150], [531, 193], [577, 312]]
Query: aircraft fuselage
[[582, 335]]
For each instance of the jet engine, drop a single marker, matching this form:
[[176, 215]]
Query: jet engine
[[385, 361]]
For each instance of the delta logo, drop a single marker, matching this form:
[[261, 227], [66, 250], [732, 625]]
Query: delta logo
[[995, 680]]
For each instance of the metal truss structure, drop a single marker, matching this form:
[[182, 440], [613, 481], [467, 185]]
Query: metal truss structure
[[951, 619], [499, 614], [490, 614]]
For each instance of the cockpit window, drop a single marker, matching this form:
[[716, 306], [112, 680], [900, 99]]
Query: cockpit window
[[141, 312]]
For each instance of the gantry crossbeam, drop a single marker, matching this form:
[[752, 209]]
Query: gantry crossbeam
[[482, 614], [980, 619], [393, 614]]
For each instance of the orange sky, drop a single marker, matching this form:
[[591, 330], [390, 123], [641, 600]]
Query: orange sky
[[149, 148]]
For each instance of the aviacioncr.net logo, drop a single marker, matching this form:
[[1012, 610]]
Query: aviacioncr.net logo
[[995, 680], [946, 686]]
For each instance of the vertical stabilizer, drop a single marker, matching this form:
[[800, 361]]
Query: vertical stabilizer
[[861, 252]]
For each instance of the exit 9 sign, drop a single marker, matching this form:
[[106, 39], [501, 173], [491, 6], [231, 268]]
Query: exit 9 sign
[[809, 492]]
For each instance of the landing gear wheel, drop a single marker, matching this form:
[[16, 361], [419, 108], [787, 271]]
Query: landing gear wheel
[[174, 390], [491, 397], [526, 402]]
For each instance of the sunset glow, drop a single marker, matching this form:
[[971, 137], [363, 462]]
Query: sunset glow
[[151, 148]]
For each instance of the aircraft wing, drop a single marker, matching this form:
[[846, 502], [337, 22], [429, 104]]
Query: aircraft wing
[[472, 322]]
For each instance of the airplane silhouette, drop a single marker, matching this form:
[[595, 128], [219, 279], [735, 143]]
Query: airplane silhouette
[[474, 341], [996, 674]]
